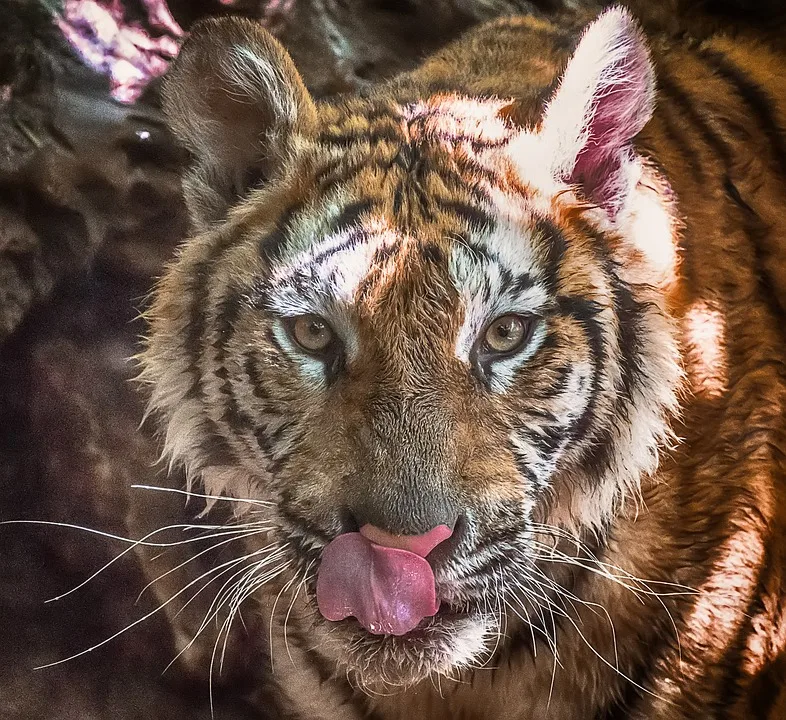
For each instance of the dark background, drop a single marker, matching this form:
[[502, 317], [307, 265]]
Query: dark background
[[89, 213]]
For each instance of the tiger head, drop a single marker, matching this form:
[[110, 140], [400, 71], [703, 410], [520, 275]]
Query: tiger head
[[429, 329]]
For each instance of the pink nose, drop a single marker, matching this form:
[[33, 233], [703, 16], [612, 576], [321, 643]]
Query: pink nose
[[418, 544]]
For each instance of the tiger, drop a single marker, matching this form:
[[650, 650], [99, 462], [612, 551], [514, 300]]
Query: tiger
[[488, 362]]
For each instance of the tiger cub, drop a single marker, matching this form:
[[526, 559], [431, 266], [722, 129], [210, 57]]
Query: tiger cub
[[493, 356]]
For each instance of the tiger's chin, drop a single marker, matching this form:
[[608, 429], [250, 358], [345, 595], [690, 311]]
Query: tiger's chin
[[440, 645]]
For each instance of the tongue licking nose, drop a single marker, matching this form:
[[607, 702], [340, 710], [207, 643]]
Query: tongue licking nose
[[381, 579]]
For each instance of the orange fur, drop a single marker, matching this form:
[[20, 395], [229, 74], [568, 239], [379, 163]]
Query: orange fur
[[660, 520]]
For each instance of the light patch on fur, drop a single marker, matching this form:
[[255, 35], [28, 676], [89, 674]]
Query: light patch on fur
[[482, 287], [648, 221], [455, 116], [323, 278], [705, 336], [253, 73]]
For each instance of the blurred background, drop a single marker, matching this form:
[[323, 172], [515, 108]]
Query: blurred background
[[90, 212]]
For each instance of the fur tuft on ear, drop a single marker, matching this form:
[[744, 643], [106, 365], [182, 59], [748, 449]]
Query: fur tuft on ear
[[236, 101], [605, 98]]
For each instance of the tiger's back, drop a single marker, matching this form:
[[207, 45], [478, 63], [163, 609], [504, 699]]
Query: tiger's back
[[658, 211]]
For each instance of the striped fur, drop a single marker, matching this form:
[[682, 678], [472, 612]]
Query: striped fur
[[620, 480]]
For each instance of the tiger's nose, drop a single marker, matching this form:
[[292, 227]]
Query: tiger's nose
[[418, 544]]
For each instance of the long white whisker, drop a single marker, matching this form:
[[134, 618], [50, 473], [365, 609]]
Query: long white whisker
[[241, 536], [143, 542], [133, 624], [191, 493], [220, 599], [226, 626], [301, 584]]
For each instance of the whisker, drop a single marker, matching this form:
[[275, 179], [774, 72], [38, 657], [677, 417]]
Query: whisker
[[245, 590], [191, 493], [215, 546], [142, 542], [300, 586], [226, 626], [218, 601], [595, 651]]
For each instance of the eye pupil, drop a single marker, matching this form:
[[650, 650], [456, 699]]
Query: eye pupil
[[504, 329]]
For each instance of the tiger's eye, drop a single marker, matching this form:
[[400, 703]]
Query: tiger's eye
[[507, 333], [312, 333]]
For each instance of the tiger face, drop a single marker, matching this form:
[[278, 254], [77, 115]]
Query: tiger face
[[430, 329]]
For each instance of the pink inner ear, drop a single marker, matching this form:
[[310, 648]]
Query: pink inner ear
[[622, 106]]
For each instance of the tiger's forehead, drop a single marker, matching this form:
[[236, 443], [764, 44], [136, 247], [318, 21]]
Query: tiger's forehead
[[444, 118], [404, 195], [353, 258]]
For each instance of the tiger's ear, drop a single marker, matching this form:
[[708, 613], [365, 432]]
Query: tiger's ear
[[604, 99], [235, 99]]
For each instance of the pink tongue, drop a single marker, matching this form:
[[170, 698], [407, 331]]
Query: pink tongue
[[388, 590]]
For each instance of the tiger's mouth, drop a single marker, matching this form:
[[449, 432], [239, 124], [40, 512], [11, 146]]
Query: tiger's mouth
[[423, 606], [451, 639]]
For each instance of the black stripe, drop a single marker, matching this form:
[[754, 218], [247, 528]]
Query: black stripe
[[469, 168], [585, 312], [381, 256], [432, 253], [192, 343], [732, 662], [271, 244], [398, 199], [350, 242], [560, 385], [755, 229], [462, 183], [384, 253], [254, 375], [756, 97], [629, 312], [261, 435], [476, 218], [226, 317], [556, 247], [549, 441], [338, 174], [519, 283], [685, 148], [701, 122], [375, 136], [350, 215], [239, 421], [523, 466]]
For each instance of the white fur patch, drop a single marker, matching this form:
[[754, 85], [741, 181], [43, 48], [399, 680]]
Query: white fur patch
[[323, 278], [481, 284], [254, 73]]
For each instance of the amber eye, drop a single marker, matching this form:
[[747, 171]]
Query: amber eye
[[507, 334], [312, 333]]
